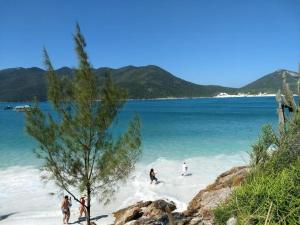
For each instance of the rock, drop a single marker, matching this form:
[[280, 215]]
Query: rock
[[211, 200], [133, 214], [231, 221], [163, 220], [130, 213], [195, 221], [218, 192], [204, 222], [150, 211], [121, 212], [158, 208]]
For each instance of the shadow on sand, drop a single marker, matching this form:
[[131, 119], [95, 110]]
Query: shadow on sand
[[3, 217], [159, 182], [187, 175], [82, 219]]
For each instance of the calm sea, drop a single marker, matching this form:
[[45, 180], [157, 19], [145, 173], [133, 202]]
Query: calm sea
[[211, 135], [171, 129]]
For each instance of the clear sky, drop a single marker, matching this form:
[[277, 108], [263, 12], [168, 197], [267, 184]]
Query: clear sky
[[226, 42]]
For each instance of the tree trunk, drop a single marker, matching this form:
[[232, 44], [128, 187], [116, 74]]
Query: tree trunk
[[280, 112], [88, 206]]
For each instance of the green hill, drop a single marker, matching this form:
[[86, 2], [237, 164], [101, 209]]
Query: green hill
[[145, 82], [272, 82], [23, 84]]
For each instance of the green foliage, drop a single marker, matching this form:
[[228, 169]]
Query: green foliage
[[274, 178], [287, 152], [251, 202], [77, 145], [20, 84], [270, 193], [260, 151], [284, 153], [270, 83]]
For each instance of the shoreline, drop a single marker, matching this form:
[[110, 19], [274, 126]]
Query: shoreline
[[186, 98], [204, 171], [173, 98]]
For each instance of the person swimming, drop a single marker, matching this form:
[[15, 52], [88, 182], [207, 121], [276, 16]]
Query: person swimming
[[152, 176]]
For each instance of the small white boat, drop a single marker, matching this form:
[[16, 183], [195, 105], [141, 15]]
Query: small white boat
[[9, 107], [22, 108]]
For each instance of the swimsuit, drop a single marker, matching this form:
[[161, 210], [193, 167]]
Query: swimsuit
[[65, 210], [152, 177]]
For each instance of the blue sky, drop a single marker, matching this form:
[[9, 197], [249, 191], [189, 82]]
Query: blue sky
[[226, 42]]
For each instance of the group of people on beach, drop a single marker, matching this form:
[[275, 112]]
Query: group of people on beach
[[153, 177], [66, 205]]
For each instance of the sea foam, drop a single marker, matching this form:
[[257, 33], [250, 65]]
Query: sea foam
[[29, 200]]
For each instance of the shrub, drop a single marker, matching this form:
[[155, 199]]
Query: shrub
[[278, 192]]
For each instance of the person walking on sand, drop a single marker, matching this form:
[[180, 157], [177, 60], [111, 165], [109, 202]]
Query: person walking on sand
[[82, 208], [184, 169], [152, 176], [65, 208]]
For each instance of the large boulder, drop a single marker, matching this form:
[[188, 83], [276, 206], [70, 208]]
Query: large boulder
[[130, 213], [144, 213], [215, 194], [158, 208]]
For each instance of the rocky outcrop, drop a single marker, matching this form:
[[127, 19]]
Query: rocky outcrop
[[199, 210], [149, 212], [213, 195]]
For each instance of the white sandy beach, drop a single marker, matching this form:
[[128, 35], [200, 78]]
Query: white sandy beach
[[220, 95], [243, 95], [27, 201]]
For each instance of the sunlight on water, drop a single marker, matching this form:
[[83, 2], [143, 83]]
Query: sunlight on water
[[211, 135], [173, 129]]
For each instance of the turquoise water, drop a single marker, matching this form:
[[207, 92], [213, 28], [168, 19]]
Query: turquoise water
[[171, 129]]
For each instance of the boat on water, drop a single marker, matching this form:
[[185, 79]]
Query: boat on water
[[9, 107], [22, 108]]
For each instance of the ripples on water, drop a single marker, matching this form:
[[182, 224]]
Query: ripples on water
[[211, 135], [173, 129]]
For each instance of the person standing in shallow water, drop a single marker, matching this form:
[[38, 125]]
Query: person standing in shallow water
[[82, 208], [152, 176], [184, 169], [65, 208]]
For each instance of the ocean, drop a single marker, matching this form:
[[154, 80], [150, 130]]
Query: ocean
[[210, 134]]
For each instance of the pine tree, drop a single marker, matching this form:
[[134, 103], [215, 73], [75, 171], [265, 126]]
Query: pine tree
[[76, 144]]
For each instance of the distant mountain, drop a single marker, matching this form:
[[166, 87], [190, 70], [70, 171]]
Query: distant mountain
[[20, 84], [270, 83], [145, 82], [23, 84], [154, 82]]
